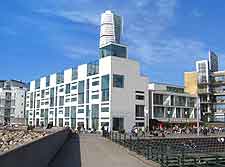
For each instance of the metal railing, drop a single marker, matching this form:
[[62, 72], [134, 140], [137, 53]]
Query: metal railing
[[170, 152]]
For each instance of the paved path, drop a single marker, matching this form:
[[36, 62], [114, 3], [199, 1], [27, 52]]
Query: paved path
[[94, 151]]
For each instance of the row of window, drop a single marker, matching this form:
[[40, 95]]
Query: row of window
[[118, 81], [71, 111], [161, 99]]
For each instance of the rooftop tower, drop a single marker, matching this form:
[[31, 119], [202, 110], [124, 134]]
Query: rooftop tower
[[111, 28], [110, 34]]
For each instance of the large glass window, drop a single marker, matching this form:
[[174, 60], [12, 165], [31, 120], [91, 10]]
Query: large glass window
[[47, 81], [158, 112], [113, 50], [95, 116], [158, 99], [140, 111], [67, 111], [52, 91], [93, 68], [118, 81], [42, 112], [61, 100], [81, 92], [180, 101], [105, 88], [37, 84], [60, 77], [38, 103], [67, 88], [73, 112], [178, 113], [74, 74], [87, 90]]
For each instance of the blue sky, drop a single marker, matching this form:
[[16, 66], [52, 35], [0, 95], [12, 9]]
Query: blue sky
[[166, 36]]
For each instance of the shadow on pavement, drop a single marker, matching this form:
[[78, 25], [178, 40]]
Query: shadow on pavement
[[69, 155]]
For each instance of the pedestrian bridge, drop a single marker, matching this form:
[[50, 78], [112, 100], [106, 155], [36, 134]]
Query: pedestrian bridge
[[91, 150]]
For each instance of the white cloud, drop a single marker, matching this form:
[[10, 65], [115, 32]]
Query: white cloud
[[146, 29]]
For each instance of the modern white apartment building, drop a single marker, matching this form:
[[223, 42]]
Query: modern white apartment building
[[12, 101], [169, 103], [111, 28], [109, 92]]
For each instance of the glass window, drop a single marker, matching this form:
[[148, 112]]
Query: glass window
[[61, 89], [38, 103], [139, 112], [87, 111], [105, 88], [37, 84], [73, 87], [47, 81], [95, 96], [113, 50], [140, 97], [67, 111], [178, 113], [81, 92], [158, 99], [60, 77], [61, 100], [60, 122], [52, 91], [73, 112], [95, 83], [180, 101], [74, 74], [73, 99], [158, 112], [87, 84], [105, 109], [42, 93], [67, 88], [87, 96], [95, 116], [42, 112], [80, 110], [93, 68], [118, 81]]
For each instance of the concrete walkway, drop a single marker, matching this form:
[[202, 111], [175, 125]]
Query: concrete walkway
[[94, 151]]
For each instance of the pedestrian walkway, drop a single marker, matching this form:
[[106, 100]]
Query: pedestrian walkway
[[94, 151]]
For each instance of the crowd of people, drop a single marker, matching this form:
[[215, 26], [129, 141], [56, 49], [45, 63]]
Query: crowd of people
[[176, 131]]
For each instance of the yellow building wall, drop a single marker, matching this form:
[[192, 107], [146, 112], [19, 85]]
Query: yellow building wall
[[190, 82]]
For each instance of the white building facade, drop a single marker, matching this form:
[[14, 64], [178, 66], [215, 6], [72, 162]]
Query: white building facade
[[169, 103], [108, 92], [12, 102]]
